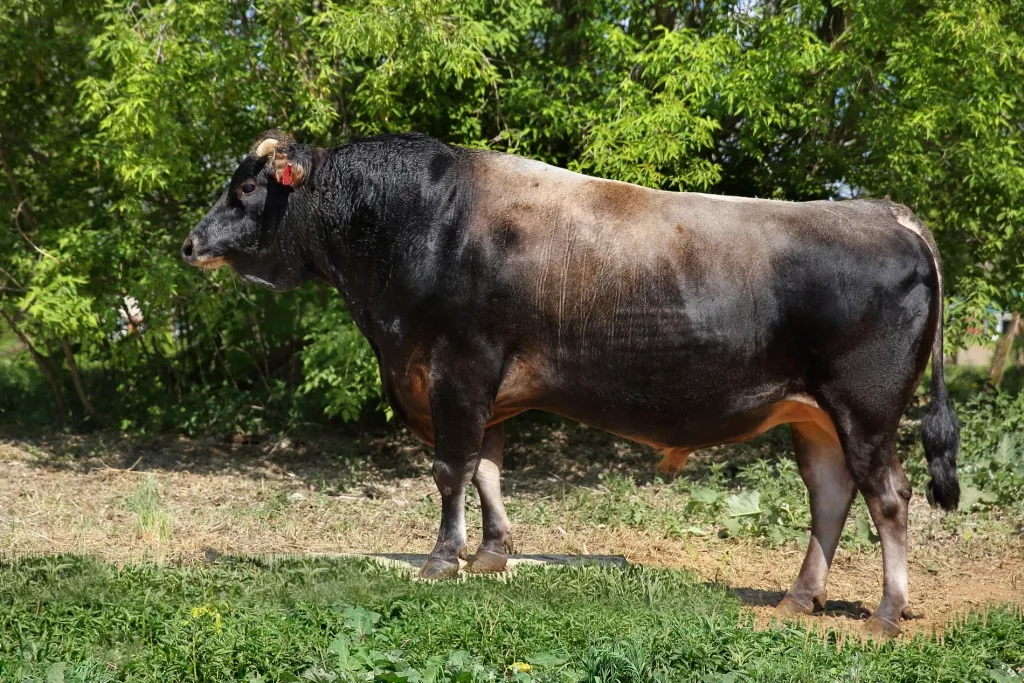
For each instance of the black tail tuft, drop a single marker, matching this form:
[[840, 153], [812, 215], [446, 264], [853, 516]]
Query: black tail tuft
[[940, 434]]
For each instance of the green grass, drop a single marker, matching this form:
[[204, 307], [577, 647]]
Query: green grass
[[75, 619]]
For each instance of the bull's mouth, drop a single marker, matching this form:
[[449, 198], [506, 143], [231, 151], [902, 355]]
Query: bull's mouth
[[210, 262]]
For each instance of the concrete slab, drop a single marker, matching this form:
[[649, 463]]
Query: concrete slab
[[412, 563]]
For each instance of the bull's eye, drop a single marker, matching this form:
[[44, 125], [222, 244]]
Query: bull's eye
[[249, 187]]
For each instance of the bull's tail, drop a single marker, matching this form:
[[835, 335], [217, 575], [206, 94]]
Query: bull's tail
[[940, 434], [940, 431]]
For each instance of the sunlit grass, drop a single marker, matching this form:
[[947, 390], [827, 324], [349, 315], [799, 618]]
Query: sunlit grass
[[145, 503], [324, 620]]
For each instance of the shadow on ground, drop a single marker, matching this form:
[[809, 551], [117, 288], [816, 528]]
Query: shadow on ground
[[543, 454], [756, 597]]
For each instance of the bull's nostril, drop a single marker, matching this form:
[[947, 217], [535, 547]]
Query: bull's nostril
[[186, 249]]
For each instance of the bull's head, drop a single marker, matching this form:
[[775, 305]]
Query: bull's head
[[256, 225]]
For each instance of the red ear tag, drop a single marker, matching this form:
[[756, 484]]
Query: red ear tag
[[286, 175]]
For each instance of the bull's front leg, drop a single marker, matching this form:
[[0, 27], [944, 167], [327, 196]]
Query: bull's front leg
[[460, 408], [492, 555]]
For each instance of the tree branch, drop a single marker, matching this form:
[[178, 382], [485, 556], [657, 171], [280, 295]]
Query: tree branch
[[16, 191], [12, 279], [832, 24], [32, 244], [1002, 351], [76, 377], [44, 367]]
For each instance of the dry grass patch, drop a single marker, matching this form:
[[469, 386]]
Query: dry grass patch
[[174, 499]]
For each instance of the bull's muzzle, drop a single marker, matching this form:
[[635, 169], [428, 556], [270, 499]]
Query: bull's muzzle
[[188, 249], [191, 255]]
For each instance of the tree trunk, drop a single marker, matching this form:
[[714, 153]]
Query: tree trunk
[[665, 16], [22, 203], [79, 387], [832, 24], [1002, 352], [572, 46], [44, 367]]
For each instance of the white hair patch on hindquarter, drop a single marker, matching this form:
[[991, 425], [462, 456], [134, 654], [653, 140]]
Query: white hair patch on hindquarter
[[909, 221]]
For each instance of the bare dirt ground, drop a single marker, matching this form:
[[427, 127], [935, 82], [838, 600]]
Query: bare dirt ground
[[173, 499]]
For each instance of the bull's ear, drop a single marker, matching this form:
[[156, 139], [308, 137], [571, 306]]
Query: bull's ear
[[290, 162]]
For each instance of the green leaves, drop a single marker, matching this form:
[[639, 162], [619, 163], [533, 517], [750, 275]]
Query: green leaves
[[360, 621], [400, 57], [704, 495], [352, 660], [743, 504], [339, 366], [120, 121], [863, 532], [991, 467], [936, 108], [971, 496], [660, 131]]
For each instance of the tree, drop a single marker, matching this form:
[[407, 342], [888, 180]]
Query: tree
[[119, 122]]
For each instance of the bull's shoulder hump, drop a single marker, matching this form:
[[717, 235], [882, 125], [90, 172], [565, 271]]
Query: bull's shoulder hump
[[520, 187], [502, 168]]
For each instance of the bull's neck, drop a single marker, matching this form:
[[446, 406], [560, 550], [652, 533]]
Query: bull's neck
[[382, 209]]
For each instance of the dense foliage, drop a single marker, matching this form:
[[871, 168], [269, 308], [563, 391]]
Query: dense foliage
[[70, 619], [120, 121]]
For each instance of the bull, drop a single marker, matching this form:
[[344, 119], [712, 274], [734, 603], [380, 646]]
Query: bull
[[489, 284]]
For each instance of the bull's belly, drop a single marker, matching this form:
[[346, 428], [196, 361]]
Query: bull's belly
[[678, 433], [668, 400], [680, 400], [675, 419]]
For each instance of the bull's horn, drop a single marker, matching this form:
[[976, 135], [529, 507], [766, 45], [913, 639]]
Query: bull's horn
[[266, 148]]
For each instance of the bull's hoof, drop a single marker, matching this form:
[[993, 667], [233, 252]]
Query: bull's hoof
[[487, 562], [436, 568], [881, 628], [790, 606]]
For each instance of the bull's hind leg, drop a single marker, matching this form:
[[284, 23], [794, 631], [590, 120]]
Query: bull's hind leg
[[831, 490], [869, 441], [864, 382], [492, 555], [887, 493]]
